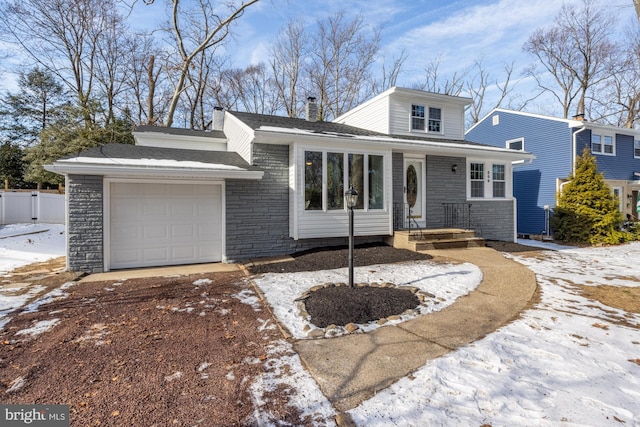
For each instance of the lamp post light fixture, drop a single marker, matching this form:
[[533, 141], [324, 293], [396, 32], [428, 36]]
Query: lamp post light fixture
[[352, 199]]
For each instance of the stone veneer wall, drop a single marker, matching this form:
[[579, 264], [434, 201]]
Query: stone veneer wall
[[85, 223]]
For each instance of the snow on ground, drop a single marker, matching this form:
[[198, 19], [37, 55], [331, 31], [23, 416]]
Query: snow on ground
[[22, 244], [564, 362], [447, 282]]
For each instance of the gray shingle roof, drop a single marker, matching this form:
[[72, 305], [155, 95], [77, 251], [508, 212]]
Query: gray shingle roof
[[181, 131], [256, 121], [128, 151]]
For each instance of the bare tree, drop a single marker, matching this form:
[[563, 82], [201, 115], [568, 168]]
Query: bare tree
[[216, 29], [287, 55], [389, 74], [253, 89], [62, 36], [576, 51], [438, 83], [480, 83], [341, 56]]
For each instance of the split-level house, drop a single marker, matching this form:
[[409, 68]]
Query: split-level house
[[556, 143], [258, 185]]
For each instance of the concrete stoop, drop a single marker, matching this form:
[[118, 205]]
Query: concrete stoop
[[425, 240]]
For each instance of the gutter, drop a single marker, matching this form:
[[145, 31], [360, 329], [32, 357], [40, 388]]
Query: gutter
[[574, 147]]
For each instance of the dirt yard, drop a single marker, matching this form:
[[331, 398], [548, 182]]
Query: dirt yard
[[170, 350]]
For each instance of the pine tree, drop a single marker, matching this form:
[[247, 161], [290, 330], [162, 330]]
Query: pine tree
[[587, 210]]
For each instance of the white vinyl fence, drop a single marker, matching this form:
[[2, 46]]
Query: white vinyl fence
[[25, 207]]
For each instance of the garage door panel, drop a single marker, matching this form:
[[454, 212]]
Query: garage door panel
[[165, 224]]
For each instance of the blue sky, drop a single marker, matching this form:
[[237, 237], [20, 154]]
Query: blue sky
[[458, 32]]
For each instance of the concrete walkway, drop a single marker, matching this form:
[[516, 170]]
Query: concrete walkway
[[350, 369]]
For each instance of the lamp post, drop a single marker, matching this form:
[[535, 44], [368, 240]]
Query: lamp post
[[351, 195]]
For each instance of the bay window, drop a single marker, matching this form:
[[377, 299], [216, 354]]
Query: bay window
[[327, 175]]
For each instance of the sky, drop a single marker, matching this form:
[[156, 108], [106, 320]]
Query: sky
[[457, 32], [567, 360]]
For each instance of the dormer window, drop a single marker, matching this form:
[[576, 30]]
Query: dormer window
[[432, 123], [417, 117], [435, 119]]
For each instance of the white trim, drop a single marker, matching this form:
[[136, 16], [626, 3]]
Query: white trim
[[113, 170], [488, 179], [106, 213]]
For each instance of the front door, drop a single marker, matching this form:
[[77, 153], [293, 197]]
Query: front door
[[414, 191]]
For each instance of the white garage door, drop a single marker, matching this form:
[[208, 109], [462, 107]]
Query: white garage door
[[164, 224]]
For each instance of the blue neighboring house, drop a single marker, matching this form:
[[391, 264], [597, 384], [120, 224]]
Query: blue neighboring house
[[556, 143]]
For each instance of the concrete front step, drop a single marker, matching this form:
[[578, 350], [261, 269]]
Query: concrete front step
[[434, 239]]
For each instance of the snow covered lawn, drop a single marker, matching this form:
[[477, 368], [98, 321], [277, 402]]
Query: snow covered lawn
[[568, 361]]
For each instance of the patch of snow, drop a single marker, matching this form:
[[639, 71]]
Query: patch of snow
[[39, 328], [23, 244]]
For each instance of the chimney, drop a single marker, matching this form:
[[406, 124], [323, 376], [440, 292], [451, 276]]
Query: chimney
[[312, 109], [218, 118], [579, 117]]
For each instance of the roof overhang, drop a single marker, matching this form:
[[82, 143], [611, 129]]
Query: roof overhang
[[115, 167], [273, 135]]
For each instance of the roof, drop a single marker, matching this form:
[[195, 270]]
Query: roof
[[265, 122], [257, 121], [126, 159], [181, 131]]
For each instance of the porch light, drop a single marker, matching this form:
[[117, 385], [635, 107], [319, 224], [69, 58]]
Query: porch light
[[352, 199]]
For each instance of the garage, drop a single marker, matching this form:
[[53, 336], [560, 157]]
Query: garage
[[158, 224]]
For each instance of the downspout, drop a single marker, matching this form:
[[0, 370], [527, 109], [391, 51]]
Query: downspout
[[574, 148]]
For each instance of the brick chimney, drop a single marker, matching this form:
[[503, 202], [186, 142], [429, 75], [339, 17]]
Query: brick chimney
[[579, 117], [312, 109], [218, 118]]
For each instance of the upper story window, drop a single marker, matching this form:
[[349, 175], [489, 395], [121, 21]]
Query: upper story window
[[417, 117], [636, 148], [435, 120], [516, 144], [420, 121], [602, 144]]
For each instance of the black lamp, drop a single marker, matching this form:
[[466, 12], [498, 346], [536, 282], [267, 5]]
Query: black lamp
[[351, 195]]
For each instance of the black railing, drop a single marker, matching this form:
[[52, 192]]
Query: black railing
[[403, 219], [457, 215]]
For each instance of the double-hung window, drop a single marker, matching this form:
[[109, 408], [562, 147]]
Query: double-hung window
[[636, 148], [435, 120], [499, 181], [477, 179], [602, 144], [328, 174], [417, 117]]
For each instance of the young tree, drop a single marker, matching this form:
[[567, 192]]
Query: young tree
[[576, 51], [587, 210]]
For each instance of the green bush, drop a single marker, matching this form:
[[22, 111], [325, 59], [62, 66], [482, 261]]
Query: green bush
[[587, 210]]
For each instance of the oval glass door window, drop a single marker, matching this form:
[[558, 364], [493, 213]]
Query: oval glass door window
[[412, 186]]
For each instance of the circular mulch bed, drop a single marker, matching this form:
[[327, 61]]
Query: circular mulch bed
[[341, 305]]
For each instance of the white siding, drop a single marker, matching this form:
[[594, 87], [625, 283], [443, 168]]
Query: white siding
[[239, 137], [372, 115], [390, 113], [335, 223], [400, 118]]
